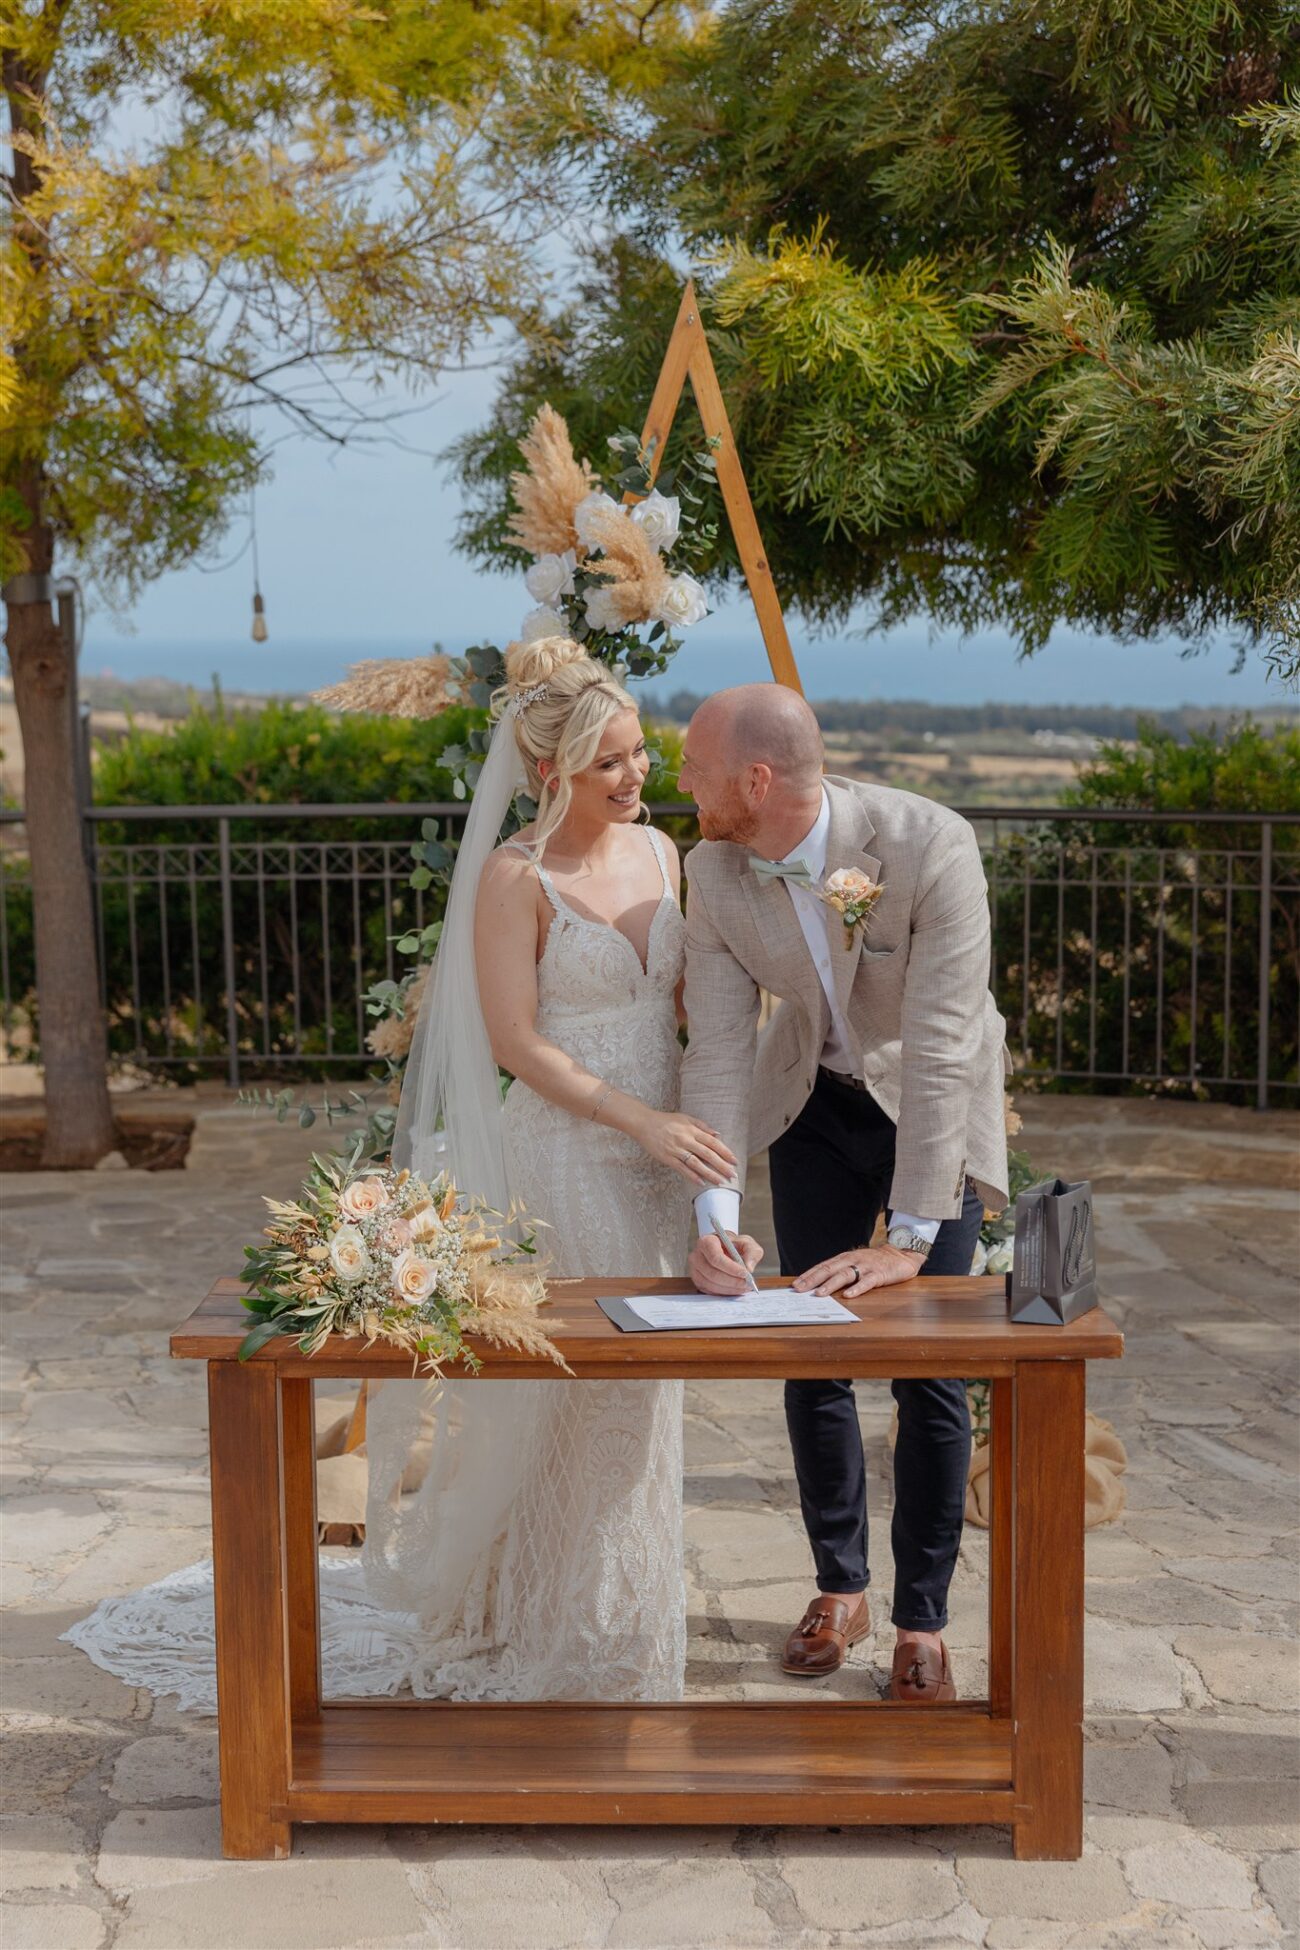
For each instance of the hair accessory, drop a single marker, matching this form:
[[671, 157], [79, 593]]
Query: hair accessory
[[533, 695]]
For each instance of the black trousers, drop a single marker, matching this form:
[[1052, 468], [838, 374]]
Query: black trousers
[[831, 1173]]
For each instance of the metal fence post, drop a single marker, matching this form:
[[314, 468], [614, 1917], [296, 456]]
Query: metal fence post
[[228, 953], [1265, 957]]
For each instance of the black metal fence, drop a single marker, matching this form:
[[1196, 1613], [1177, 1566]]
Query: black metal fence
[[1129, 949]]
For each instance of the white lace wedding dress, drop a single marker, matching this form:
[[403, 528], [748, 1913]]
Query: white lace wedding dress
[[579, 1594]]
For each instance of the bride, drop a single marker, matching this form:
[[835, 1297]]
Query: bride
[[536, 1551]]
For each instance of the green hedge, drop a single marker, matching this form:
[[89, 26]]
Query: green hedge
[[1170, 960]]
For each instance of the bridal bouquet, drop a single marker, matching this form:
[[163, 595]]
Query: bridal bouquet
[[382, 1254]]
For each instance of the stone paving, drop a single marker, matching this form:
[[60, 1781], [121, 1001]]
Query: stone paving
[[110, 1818]]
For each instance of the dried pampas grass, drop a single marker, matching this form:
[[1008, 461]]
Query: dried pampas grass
[[631, 568], [549, 488], [395, 687], [505, 1313], [391, 1037]]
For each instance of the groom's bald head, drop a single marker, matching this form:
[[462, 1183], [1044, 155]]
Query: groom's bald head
[[753, 762], [766, 724]]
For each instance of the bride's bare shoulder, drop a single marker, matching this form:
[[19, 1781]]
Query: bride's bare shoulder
[[509, 868]]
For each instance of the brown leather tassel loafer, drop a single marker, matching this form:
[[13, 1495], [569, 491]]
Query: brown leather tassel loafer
[[820, 1641], [921, 1675]]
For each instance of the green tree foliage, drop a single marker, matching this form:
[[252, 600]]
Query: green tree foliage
[[1003, 298], [1130, 947]]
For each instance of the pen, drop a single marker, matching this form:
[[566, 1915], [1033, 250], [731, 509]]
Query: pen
[[730, 1250]]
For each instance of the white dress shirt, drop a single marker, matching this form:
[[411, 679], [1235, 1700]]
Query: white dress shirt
[[816, 920]]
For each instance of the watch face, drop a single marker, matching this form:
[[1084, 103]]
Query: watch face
[[908, 1242]]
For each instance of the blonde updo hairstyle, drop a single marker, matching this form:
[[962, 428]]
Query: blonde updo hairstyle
[[564, 728]]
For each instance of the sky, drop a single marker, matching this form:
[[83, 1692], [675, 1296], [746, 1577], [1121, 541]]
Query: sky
[[356, 560]]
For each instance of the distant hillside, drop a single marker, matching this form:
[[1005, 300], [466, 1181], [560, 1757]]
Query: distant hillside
[[917, 716]]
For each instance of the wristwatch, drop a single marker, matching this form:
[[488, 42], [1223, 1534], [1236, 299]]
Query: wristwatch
[[908, 1241]]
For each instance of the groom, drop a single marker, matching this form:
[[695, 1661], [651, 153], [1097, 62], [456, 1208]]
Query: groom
[[877, 1084]]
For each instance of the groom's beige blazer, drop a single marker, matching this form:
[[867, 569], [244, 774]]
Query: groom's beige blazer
[[913, 990]]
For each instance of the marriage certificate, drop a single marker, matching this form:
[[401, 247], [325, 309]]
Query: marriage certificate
[[673, 1312]]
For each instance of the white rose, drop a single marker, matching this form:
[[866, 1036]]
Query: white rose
[[593, 503], [348, 1255], [551, 577], [661, 517], [364, 1198], [542, 622], [602, 612], [414, 1278], [1000, 1258], [681, 604]]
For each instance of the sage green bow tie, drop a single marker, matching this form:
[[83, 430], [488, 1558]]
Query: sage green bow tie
[[797, 871]]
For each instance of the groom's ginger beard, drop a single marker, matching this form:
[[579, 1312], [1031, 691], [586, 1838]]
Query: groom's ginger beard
[[733, 820]]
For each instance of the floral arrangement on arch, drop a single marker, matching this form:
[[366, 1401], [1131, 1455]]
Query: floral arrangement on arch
[[603, 570]]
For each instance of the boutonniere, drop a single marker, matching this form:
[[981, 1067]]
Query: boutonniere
[[853, 895]]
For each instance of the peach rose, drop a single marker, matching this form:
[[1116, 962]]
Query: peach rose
[[851, 885], [364, 1198], [414, 1279]]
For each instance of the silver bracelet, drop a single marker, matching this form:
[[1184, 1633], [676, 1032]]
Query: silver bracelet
[[608, 1091]]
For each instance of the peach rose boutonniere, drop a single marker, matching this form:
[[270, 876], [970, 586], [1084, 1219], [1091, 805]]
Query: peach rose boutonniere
[[853, 895]]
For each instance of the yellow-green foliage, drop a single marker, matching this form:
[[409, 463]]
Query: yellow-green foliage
[[226, 205]]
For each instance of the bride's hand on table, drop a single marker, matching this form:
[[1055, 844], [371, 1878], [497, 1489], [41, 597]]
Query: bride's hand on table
[[712, 1272], [685, 1145], [849, 1275]]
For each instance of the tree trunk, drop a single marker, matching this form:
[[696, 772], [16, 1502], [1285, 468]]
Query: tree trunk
[[74, 1047]]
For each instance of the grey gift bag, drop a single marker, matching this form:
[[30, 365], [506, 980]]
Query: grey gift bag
[[1053, 1277]]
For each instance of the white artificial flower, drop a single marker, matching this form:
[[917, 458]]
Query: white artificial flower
[[542, 622], [363, 1198], [1000, 1257], [602, 614], [551, 577], [348, 1255], [414, 1278], [661, 517], [593, 503], [425, 1223], [681, 604]]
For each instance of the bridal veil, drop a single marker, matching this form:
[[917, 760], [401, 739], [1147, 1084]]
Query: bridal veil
[[460, 1447]]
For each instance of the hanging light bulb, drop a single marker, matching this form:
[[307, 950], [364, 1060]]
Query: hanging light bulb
[[258, 631]]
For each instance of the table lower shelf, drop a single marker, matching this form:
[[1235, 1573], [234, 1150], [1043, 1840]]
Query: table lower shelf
[[748, 1761]]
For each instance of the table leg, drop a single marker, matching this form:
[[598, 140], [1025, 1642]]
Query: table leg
[[1001, 1544], [253, 1728], [1047, 1651], [298, 1427]]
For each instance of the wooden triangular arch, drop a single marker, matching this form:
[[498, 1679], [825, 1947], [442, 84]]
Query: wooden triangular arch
[[688, 356]]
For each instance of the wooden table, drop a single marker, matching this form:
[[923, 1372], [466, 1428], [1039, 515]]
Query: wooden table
[[1014, 1758]]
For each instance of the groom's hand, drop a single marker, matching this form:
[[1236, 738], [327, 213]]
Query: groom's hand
[[849, 1275], [711, 1270]]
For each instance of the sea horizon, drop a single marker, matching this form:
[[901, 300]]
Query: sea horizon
[[904, 666]]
